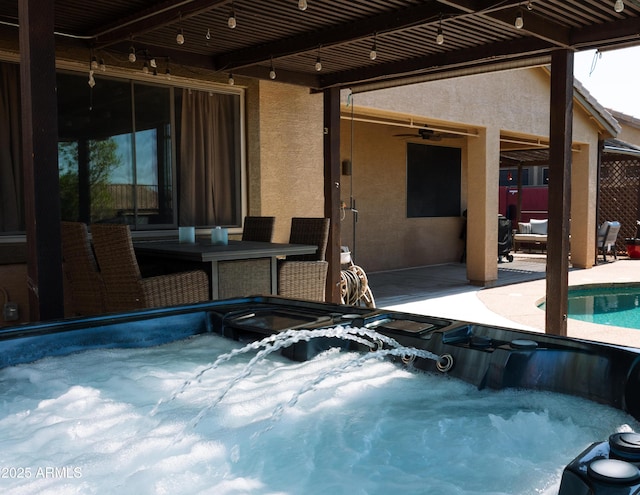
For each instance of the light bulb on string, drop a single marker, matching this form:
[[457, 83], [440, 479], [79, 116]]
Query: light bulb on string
[[180, 37], [132, 54], [231, 79], [318, 64], [208, 35], [272, 71], [302, 4], [231, 22], [102, 66], [153, 63], [94, 62], [519, 23], [145, 67], [373, 54], [618, 6], [440, 33], [529, 5], [92, 81]]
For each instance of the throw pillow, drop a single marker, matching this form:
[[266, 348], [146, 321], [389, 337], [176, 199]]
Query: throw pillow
[[538, 226]]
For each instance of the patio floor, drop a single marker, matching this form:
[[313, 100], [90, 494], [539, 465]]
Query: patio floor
[[444, 291]]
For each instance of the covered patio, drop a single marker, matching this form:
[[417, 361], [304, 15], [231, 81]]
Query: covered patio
[[323, 47]]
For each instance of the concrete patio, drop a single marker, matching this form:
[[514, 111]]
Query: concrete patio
[[444, 291]]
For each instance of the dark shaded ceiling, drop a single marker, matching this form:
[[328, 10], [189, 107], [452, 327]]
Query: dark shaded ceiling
[[477, 34]]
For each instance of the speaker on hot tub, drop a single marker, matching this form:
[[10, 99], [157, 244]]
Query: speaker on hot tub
[[605, 468]]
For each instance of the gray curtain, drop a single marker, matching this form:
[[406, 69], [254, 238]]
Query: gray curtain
[[207, 159], [11, 178]]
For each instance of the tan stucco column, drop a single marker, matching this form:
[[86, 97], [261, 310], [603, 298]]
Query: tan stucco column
[[584, 178], [483, 162]]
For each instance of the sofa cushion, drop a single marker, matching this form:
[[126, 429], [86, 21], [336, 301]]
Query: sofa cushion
[[538, 226], [524, 228]]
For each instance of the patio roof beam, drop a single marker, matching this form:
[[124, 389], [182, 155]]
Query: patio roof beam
[[161, 15], [336, 35], [505, 15], [520, 49]]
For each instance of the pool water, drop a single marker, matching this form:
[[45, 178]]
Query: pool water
[[606, 305], [84, 424]]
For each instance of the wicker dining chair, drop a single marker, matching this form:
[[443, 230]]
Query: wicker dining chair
[[126, 289], [86, 287], [305, 276], [258, 228]]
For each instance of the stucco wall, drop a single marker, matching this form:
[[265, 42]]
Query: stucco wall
[[384, 237], [290, 155], [515, 102]]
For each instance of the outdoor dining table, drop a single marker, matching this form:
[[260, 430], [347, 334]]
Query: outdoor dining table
[[239, 268]]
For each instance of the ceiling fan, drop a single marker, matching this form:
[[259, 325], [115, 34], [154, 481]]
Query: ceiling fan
[[430, 134]]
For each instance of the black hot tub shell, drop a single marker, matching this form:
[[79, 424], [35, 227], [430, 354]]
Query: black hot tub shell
[[486, 356]]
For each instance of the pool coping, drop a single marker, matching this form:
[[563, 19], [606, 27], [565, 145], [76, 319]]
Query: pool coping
[[519, 302]]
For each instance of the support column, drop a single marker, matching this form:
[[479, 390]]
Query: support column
[[584, 207], [560, 137], [483, 174], [332, 189], [40, 159]]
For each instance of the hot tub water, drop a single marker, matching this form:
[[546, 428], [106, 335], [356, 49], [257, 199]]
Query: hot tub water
[[377, 428]]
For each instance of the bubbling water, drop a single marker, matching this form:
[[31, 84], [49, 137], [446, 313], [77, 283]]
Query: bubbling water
[[122, 421]]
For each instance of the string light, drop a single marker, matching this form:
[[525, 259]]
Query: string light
[[519, 20], [102, 65], [272, 71], [231, 22], [231, 79], [318, 61], [92, 81], [529, 5], [618, 6], [302, 4], [153, 63], [373, 54], [94, 62], [208, 35], [180, 37], [440, 34], [132, 54], [145, 67]]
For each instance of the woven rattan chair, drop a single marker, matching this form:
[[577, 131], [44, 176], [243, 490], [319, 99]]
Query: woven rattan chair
[[125, 287], [305, 276], [258, 229], [87, 290]]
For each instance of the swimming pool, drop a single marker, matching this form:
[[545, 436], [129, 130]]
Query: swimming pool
[[617, 305]]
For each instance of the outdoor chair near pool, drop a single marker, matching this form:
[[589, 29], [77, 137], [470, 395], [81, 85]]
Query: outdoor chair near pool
[[126, 289], [305, 276], [258, 228], [86, 287], [607, 236]]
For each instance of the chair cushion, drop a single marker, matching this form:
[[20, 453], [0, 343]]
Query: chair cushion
[[538, 226], [524, 228]]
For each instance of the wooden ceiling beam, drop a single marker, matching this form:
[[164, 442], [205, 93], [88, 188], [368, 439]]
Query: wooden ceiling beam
[[336, 35], [163, 14], [440, 63]]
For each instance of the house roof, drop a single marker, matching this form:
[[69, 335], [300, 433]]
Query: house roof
[[479, 35]]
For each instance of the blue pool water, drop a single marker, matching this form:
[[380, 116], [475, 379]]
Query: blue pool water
[[617, 305]]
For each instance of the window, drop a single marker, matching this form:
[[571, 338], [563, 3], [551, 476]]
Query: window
[[126, 154], [433, 181]]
